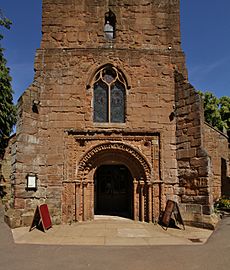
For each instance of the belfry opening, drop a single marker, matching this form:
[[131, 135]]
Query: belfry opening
[[113, 191]]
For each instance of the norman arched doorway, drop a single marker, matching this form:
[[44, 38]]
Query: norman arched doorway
[[112, 178], [113, 191]]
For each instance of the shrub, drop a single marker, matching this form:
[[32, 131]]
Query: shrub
[[223, 202]]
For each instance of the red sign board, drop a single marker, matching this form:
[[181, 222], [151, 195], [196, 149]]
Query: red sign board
[[41, 218], [45, 216]]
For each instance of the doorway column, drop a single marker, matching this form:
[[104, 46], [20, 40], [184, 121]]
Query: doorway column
[[149, 188], [77, 200], [142, 201], [84, 200], [135, 204]]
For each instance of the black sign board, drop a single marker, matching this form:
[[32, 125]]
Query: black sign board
[[177, 215], [171, 208]]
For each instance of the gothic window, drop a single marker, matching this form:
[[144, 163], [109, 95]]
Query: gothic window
[[109, 96]]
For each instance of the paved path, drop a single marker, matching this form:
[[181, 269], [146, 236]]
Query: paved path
[[112, 231], [215, 254]]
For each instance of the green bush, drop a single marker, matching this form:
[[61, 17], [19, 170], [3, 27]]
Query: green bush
[[223, 203]]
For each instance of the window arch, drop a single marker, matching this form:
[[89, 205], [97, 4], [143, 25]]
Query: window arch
[[109, 96]]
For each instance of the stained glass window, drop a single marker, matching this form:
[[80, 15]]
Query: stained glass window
[[109, 96], [117, 103], [100, 102]]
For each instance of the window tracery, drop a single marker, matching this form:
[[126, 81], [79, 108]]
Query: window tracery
[[109, 96]]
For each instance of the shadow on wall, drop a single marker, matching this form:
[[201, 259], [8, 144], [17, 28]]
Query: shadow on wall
[[2, 186], [225, 179]]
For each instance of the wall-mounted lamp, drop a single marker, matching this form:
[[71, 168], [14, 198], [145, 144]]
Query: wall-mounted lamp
[[35, 106], [173, 113], [31, 183]]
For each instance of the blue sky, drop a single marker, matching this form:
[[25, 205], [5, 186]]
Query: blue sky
[[205, 29]]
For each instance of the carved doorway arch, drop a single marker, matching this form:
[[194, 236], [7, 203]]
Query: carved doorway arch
[[115, 152], [112, 154]]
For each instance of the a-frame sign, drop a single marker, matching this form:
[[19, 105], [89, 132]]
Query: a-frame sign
[[41, 219], [171, 208]]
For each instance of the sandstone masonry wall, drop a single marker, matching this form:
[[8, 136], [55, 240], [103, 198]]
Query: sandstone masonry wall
[[194, 170], [216, 144], [65, 103], [140, 24], [6, 173], [146, 49]]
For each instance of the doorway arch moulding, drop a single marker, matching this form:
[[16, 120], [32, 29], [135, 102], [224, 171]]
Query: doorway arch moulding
[[115, 153], [90, 159]]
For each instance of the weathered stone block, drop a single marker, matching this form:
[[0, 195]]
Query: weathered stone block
[[13, 218], [27, 219], [194, 208]]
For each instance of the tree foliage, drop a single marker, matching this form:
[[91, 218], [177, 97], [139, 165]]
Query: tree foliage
[[225, 112], [4, 22], [7, 108], [217, 111]]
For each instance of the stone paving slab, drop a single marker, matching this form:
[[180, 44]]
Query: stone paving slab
[[111, 232]]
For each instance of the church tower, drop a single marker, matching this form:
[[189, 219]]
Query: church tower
[[98, 128]]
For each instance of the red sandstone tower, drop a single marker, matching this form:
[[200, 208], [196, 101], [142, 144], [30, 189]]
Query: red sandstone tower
[[110, 124]]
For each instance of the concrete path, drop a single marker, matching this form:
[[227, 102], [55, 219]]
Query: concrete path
[[111, 231], [214, 254]]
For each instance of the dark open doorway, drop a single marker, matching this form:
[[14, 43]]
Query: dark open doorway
[[113, 191]]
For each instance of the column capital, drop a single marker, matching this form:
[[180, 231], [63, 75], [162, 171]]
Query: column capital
[[77, 182], [135, 181], [141, 182]]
